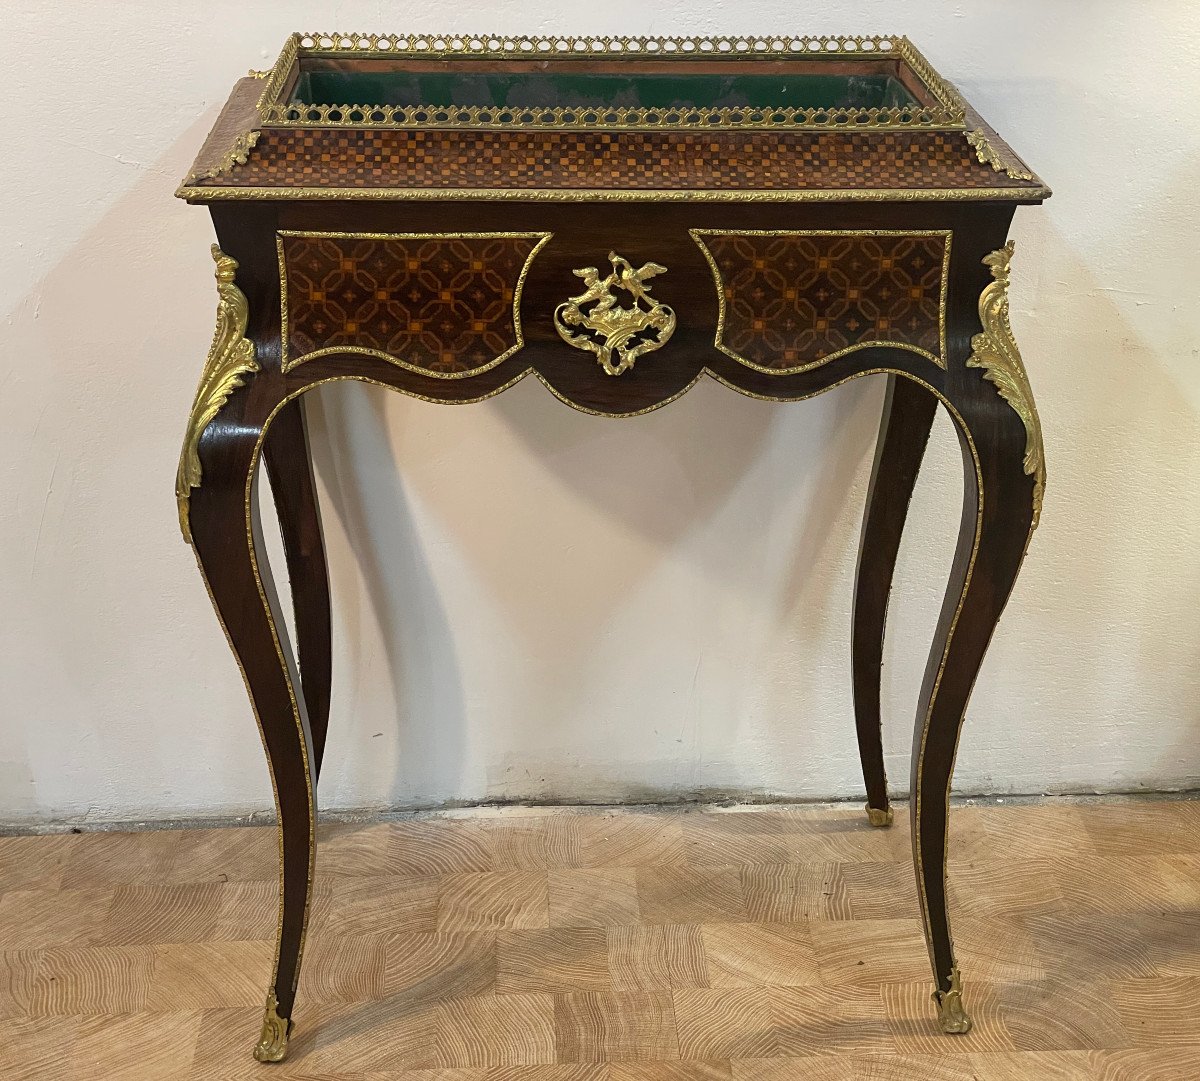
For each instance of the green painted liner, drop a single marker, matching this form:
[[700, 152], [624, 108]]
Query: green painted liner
[[595, 90]]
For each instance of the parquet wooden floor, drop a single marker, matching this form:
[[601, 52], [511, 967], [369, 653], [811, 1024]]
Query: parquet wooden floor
[[686, 945]]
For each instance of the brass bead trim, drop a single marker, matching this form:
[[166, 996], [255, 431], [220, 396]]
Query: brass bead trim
[[718, 340], [230, 359], [291, 362], [262, 735], [205, 194], [989, 155], [995, 351]]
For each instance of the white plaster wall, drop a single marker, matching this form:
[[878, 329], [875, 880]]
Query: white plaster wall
[[535, 603]]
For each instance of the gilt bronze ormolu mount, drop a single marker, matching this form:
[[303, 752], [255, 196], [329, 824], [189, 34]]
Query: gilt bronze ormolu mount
[[780, 214]]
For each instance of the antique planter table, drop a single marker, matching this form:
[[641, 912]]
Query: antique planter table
[[620, 217]]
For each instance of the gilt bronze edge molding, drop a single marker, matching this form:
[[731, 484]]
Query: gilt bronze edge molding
[[230, 359], [237, 154], [542, 237], [987, 154], [272, 1044], [228, 193], [995, 351], [952, 1014], [718, 339]]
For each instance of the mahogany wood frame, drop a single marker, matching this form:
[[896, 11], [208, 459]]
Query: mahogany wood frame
[[291, 695]]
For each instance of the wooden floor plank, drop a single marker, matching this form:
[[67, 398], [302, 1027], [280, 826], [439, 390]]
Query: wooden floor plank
[[656, 958], [689, 945], [496, 1030], [684, 894], [795, 892], [383, 904], [493, 900], [760, 954], [1177, 1063], [533, 844], [615, 1026], [623, 839], [857, 1068], [35, 862], [1063, 1014], [854, 953], [1162, 1012], [209, 975], [18, 969], [593, 897], [223, 855], [45, 918], [428, 968], [554, 959], [149, 915], [115, 1047], [95, 980], [116, 859]]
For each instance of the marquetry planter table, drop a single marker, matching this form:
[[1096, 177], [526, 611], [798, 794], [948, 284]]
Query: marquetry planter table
[[620, 218]]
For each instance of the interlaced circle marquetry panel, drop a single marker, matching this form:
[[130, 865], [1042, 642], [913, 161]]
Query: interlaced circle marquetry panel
[[443, 304], [795, 300]]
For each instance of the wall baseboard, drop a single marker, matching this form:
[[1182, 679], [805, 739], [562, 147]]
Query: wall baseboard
[[482, 808]]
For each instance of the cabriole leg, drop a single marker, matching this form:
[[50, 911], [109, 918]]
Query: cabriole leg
[[289, 467], [903, 434], [218, 514], [227, 536], [1001, 439]]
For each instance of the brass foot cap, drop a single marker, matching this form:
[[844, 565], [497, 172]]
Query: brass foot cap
[[272, 1045], [879, 818], [952, 1015]]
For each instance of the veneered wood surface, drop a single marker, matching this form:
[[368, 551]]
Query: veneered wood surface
[[731, 945]]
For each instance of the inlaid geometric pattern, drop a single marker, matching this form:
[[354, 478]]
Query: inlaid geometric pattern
[[794, 300], [688, 945], [439, 304], [382, 157]]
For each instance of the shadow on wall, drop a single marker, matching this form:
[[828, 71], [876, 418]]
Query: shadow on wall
[[116, 633], [673, 480], [1085, 671], [364, 490], [122, 636]]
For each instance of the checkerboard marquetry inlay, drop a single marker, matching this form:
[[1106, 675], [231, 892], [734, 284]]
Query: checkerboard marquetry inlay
[[655, 160]]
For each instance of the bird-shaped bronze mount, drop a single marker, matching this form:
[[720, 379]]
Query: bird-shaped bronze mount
[[596, 323]]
